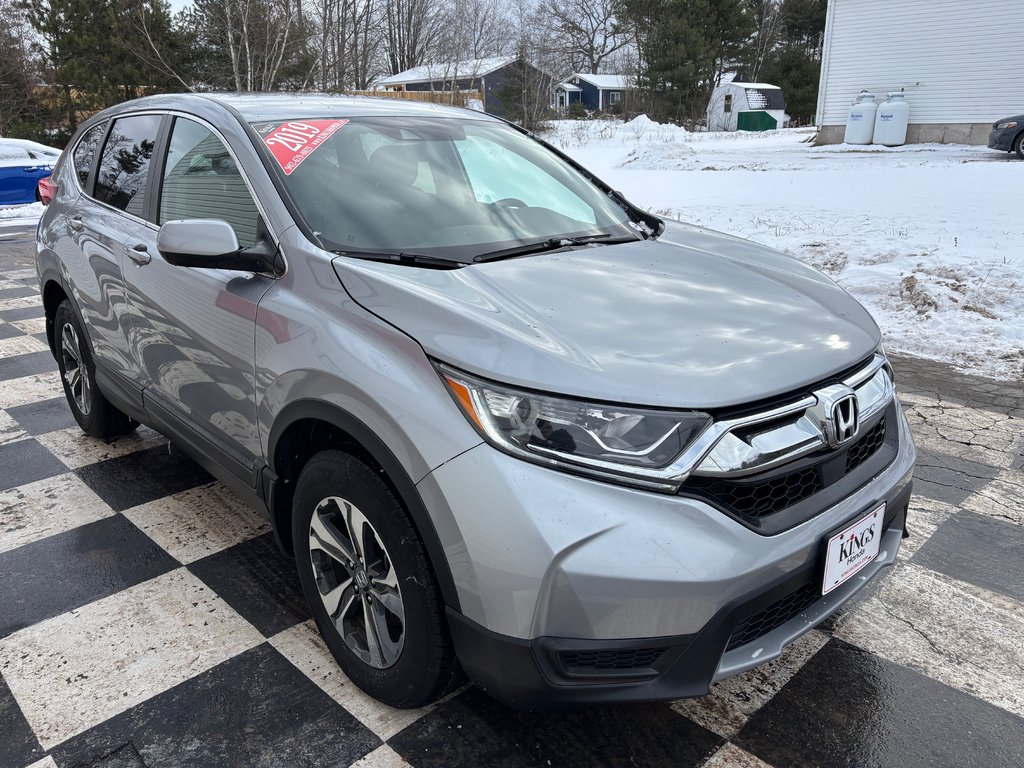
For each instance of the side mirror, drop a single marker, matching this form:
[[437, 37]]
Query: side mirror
[[209, 244]]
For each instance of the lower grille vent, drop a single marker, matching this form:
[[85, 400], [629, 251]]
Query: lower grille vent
[[627, 658]]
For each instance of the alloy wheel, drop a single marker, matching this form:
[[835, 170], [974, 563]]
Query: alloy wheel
[[75, 375], [357, 582]]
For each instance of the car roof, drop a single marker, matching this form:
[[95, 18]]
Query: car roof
[[259, 107]]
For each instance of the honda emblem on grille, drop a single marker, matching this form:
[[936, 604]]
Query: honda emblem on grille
[[838, 413], [844, 420]]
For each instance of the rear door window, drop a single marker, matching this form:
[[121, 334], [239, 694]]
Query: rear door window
[[124, 165], [85, 153], [202, 181]]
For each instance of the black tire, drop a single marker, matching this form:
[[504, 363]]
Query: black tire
[[93, 412], [425, 668], [1018, 145]]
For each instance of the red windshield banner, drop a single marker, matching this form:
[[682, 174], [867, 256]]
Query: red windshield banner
[[293, 142]]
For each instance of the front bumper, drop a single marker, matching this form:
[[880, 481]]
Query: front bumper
[[1002, 139], [575, 591], [532, 674]]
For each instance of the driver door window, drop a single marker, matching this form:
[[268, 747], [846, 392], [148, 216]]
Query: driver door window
[[202, 181]]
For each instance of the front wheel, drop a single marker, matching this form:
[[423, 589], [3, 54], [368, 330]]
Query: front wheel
[[368, 582], [1018, 145], [93, 412]]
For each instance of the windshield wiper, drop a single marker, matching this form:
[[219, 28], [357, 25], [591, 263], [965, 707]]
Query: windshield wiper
[[405, 257], [554, 243]]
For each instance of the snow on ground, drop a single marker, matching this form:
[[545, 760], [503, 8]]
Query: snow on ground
[[17, 215], [929, 237]]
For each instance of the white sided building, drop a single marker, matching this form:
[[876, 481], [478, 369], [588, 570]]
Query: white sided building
[[746, 107], [957, 62]]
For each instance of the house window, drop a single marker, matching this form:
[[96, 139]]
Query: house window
[[728, 103], [561, 99], [615, 97]]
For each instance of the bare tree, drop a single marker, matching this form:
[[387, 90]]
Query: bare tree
[[585, 31], [411, 29], [19, 72], [255, 34], [474, 29], [769, 24], [528, 94], [344, 43]]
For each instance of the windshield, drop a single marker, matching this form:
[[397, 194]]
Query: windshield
[[436, 186]]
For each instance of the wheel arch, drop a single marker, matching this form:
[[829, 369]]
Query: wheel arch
[[53, 293], [304, 428]]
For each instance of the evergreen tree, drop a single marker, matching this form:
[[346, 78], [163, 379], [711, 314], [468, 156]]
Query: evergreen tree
[[94, 52], [795, 65], [683, 46], [20, 106]]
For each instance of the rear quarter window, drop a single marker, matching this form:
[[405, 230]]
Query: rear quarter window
[[85, 153]]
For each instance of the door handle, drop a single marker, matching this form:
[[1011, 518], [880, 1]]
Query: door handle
[[139, 253], [75, 222]]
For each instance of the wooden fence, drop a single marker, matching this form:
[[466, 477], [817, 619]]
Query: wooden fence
[[456, 98]]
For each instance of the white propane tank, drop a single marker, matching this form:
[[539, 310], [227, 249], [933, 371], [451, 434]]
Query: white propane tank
[[860, 121], [891, 121]]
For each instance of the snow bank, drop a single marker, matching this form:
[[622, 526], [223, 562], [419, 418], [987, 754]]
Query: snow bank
[[656, 157], [927, 236], [20, 214]]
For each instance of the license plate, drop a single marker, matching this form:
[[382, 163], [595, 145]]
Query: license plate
[[853, 548]]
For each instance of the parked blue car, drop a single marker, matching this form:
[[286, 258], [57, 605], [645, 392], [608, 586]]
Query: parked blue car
[[22, 165], [1008, 135]]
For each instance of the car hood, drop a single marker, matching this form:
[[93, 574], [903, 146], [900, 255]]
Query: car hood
[[694, 319]]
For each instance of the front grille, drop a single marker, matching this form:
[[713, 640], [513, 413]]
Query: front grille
[[627, 658], [755, 499], [774, 616], [865, 448]]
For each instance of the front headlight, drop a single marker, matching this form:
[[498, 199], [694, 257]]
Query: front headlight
[[636, 446], [1008, 124]]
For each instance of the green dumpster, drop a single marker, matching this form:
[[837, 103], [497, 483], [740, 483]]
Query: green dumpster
[[756, 121]]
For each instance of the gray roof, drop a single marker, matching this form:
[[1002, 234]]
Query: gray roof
[[451, 70], [257, 107]]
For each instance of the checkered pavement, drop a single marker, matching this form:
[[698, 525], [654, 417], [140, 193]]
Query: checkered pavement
[[146, 618]]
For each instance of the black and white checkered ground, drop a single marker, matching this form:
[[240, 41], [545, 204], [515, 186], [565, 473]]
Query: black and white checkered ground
[[146, 618]]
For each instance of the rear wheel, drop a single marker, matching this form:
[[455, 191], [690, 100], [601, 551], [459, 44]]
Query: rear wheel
[[93, 412], [368, 582]]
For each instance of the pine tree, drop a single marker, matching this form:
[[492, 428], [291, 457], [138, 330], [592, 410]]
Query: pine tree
[[683, 47], [93, 51], [795, 65]]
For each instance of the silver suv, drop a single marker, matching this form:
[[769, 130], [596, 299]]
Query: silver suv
[[503, 419]]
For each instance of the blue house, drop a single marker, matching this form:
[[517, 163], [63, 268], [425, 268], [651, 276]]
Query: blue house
[[595, 92], [493, 77]]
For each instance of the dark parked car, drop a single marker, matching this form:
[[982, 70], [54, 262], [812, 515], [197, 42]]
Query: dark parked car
[[1008, 135], [22, 165]]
